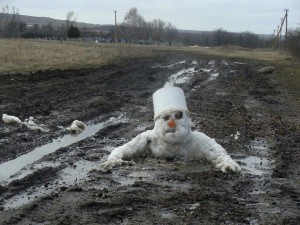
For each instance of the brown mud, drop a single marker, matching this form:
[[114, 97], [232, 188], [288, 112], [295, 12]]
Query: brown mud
[[252, 115]]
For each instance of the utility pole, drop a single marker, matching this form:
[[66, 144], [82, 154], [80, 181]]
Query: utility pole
[[286, 29], [278, 36], [115, 26]]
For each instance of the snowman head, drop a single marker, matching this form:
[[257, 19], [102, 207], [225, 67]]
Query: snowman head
[[172, 122], [173, 127]]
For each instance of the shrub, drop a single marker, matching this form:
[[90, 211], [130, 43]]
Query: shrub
[[293, 42], [73, 32]]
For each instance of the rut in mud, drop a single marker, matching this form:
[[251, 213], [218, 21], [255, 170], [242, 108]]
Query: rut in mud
[[250, 114]]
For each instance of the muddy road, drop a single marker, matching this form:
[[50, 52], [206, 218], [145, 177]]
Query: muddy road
[[48, 176]]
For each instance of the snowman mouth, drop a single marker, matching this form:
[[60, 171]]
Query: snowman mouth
[[170, 131]]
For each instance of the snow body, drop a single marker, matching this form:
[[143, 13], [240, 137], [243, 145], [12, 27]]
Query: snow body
[[177, 141]]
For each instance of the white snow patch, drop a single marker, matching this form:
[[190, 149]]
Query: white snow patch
[[224, 62], [206, 70], [213, 76], [181, 76], [237, 135], [170, 66]]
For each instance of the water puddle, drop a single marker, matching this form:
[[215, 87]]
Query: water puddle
[[25, 171], [257, 164], [259, 144], [78, 173], [168, 215], [9, 168], [69, 176]]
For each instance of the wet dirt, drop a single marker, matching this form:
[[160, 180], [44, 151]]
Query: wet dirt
[[252, 115]]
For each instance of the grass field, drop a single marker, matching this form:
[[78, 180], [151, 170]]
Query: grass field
[[21, 56], [32, 55]]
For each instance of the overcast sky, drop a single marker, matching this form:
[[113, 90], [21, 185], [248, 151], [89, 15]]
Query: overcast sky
[[258, 16]]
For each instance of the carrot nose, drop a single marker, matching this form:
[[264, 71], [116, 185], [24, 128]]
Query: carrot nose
[[171, 123]]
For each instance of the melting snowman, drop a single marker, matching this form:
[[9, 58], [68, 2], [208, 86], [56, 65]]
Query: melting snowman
[[172, 136]]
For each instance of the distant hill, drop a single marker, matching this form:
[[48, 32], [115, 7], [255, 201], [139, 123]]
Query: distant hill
[[31, 20]]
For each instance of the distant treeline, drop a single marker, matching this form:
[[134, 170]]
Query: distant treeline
[[221, 37], [134, 28], [293, 42]]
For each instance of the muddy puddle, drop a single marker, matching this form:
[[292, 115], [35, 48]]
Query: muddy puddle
[[258, 163], [152, 176], [11, 167], [181, 76], [69, 176], [184, 75]]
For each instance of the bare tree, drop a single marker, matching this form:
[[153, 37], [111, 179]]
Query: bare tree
[[135, 27], [220, 36], [10, 23], [134, 24], [133, 18], [70, 18], [171, 32], [293, 42]]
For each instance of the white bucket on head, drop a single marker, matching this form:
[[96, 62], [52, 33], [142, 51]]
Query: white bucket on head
[[168, 99]]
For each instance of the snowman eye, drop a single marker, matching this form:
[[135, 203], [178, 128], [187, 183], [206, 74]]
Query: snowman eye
[[166, 117], [178, 115]]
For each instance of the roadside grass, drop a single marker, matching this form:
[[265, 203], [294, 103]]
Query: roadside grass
[[266, 55], [23, 56], [31, 55], [289, 75]]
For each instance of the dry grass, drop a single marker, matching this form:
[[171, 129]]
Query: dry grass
[[237, 52], [32, 55]]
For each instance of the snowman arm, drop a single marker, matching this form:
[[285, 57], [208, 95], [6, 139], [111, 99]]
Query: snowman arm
[[209, 149], [129, 150]]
